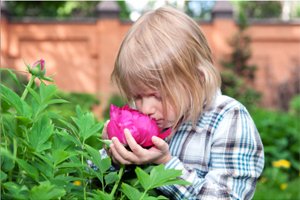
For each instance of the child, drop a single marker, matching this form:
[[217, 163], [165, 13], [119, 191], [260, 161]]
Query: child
[[165, 69]]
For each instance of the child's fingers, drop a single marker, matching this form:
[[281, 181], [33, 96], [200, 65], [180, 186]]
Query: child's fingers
[[117, 157], [123, 152], [104, 131], [160, 144], [131, 142]]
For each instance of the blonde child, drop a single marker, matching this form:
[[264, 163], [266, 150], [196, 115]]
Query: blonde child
[[164, 68]]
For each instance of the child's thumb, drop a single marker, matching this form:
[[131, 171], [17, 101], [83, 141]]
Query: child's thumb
[[160, 144]]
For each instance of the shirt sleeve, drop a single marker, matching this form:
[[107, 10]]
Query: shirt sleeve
[[236, 161]]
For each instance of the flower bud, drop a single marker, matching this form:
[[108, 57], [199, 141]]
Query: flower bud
[[38, 68]]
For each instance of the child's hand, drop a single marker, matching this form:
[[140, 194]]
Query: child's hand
[[104, 131], [104, 136], [158, 154]]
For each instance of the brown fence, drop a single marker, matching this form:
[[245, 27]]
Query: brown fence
[[81, 53]]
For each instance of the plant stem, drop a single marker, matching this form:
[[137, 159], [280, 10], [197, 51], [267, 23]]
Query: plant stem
[[84, 191], [120, 174], [143, 194], [15, 148], [27, 86], [85, 184]]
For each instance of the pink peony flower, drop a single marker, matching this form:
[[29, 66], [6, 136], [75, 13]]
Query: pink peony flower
[[141, 126]]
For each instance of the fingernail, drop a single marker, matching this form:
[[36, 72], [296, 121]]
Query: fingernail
[[154, 137]]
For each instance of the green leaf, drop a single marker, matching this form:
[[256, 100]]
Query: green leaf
[[70, 165], [40, 133], [23, 120], [44, 168], [15, 101], [100, 195], [131, 192], [56, 101], [12, 74], [102, 164], [3, 176], [15, 191], [149, 198], [47, 92], [106, 142], [78, 110], [7, 163], [86, 124], [63, 140], [63, 179], [160, 176], [29, 169], [35, 95], [70, 126], [143, 178], [60, 155], [46, 190], [7, 160], [111, 178], [45, 158]]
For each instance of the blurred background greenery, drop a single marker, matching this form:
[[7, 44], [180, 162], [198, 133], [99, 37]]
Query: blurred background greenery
[[279, 128], [132, 8]]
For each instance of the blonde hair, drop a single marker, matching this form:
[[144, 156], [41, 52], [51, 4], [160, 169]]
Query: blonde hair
[[165, 50]]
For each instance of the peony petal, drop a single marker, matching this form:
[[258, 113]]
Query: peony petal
[[113, 130]]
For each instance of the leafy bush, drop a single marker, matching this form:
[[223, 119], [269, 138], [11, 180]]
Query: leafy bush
[[294, 108], [86, 102], [238, 75], [43, 158], [260, 9], [280, 135]]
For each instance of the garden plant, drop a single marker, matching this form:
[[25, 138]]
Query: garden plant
[[46, 155]]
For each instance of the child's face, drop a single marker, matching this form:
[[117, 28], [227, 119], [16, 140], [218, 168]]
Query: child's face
[[149, 102]]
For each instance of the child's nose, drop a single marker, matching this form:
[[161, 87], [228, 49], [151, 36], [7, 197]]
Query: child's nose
[[147, 107]]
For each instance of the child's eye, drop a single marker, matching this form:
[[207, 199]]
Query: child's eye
[[157, 96], [137, 97]]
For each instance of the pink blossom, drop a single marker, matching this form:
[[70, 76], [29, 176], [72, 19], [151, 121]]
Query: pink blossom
[[38, 68], [141, 126], [39, 63]]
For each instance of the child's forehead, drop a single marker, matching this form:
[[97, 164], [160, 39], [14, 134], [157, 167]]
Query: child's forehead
[[142, 89]]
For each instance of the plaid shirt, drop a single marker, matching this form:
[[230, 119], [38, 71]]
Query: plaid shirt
[[222, 158]]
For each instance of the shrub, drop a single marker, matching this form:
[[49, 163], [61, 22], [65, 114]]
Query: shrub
[[41, 158], [280, 135]]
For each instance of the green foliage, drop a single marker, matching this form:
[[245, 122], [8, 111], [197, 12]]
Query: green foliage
[[13, 80], [268, 191], [124, 10], [86, 102], [54, 9], [297, 12], [260, 9], [46, 155], [116, 100], [59, 9], [199, 9], [238, 75], [295, 106], [280, 135]]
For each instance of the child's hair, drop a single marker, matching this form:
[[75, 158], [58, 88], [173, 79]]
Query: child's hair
[[166, 51]]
